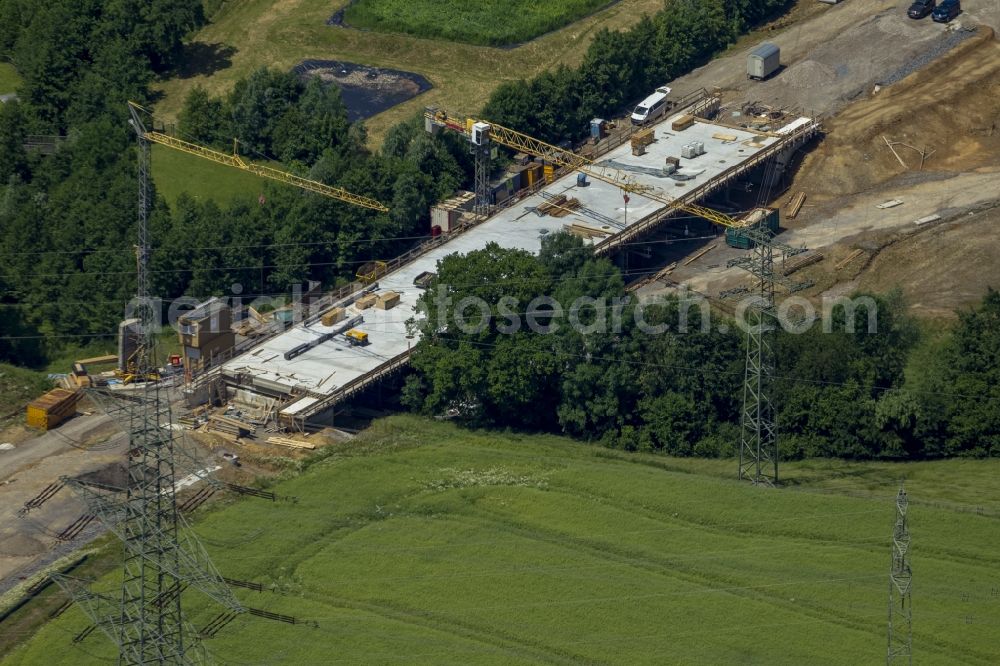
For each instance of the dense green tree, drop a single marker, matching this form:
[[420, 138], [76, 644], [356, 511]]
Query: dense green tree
[[201, 119]]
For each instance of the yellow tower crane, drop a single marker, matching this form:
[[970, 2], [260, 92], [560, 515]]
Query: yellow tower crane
[[237, 162], [563, 157]]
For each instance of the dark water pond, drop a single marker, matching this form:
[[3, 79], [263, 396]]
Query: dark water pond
[[366, 90]]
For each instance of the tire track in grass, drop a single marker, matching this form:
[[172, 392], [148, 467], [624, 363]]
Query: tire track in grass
[[674, 569], [746, 528], [505, 641]]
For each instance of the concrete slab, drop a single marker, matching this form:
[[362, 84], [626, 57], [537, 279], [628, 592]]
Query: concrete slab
[[323, 369]]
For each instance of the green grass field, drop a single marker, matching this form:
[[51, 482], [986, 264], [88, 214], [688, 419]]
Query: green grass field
[[422, 543], [282, 34], [486, 23], [9, 79], [175, 172]]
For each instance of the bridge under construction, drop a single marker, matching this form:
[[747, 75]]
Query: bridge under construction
[[298, 376]]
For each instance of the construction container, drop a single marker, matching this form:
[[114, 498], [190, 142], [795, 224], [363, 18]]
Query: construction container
[[387, 301], [516, 176], [356, 338], [52, 408], [681, 123], [581, 180], [754, 219], [521, 159], [366, 301], [334, 316], [424, 280], [549, 172], [533, 173], [763, 61]]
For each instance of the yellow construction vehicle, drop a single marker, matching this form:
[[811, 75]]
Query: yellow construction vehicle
[[130, 373], [356, 338], [271, 173]]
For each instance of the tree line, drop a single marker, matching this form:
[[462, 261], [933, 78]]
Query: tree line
[[67, 220], [621, 67], [887, 393]]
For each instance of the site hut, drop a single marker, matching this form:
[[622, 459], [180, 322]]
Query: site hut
[[763, 61], [205, 333]]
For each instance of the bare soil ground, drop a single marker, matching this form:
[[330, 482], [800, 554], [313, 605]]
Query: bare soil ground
[[82, 444], [950, 106]]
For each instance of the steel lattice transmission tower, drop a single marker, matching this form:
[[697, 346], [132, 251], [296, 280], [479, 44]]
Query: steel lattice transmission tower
[[161, 560], [900, 588], [758, 429]]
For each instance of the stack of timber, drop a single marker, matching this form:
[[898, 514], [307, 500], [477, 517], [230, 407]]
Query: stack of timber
[[290, 443], [227, 428], [800, 261], [796, 205], [585, 231], [681, 123], [333, 316], [641, 139], [558, 206], [52, 408]]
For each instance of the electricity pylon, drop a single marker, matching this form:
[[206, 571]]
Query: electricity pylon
[[758, 429], [160, 558], [900, 588]]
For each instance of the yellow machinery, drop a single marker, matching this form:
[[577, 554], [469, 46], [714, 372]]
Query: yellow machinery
[[356, 338], [371, 271], [566, 158], [130, 373], [237, 162]]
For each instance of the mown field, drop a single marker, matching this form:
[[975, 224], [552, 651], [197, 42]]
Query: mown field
[[423, 543], [175, 172], [249, 34], [486, 23], [9, 79]]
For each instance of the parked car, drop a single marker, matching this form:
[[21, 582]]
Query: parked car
[[946, 11], [653, 107], [920, 9]]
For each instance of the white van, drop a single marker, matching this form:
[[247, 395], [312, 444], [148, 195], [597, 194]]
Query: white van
[[652, 108]]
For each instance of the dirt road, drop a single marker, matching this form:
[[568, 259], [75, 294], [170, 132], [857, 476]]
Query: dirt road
[[82, 444], [839, 56]]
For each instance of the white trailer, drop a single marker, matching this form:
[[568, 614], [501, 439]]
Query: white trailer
[[763, 61]]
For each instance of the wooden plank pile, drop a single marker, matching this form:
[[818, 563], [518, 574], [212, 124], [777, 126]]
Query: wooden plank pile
[[559, 206], [586, 231], [230, 429], [800, 261], [796, 205], [290, 443], [640, 140]]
